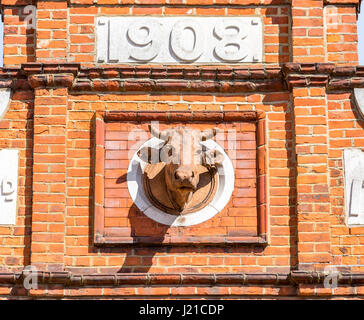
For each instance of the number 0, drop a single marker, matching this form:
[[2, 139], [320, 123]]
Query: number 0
[[177, 45]]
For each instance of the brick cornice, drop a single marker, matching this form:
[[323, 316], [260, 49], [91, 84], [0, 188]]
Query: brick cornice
[[187, 79], [184, 116], [13, 78], [42, 75], [323, 74], [183, 79], [50, 68], [51, 80], [150, 279]]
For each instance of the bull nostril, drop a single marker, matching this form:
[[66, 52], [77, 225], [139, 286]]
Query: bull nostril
[[193, 174]]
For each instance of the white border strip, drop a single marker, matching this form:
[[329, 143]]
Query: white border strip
[[359, 100]]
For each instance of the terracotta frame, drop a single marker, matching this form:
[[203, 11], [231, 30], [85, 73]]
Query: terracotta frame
[[101, 238]]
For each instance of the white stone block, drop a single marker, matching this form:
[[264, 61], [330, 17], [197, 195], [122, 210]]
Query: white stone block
[[4, 101], [359, 99], [354, 186], [9, 160], [179, 40]]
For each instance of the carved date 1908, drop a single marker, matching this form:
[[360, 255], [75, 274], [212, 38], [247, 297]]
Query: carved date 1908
[[179, 40]]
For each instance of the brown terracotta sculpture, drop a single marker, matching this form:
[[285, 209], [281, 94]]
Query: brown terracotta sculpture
[[183, 167]]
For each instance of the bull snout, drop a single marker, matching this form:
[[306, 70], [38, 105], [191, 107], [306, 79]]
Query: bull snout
[[185, 178]]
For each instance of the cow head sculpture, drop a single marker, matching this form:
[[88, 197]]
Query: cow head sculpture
[[182, 153]]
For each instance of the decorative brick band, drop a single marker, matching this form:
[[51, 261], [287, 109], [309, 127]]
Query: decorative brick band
[[323, 74], [180, 85], [205, 79], [323, 68], [49, 68], [184, 116], [14, 79], [306, 81], [189, 73], [148, 279], [176, 79], [51, 80], [346, 84]]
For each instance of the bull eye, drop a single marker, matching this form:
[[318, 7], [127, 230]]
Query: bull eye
[[193, 174], [170, 152], [175, 175]]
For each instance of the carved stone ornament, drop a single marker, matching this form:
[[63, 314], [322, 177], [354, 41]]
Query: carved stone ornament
[[183, 173], [158, 193]]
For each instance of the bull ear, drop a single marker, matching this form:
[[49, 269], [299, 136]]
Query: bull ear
[[149, 155], [213, 158], [209, 134]]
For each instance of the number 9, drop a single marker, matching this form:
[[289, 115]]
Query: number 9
[[143, 37]]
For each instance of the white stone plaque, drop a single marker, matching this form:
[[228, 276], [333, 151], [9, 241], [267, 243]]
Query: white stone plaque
[[4, 101], [179, 40], [359, 99], [354, 186], [8, 186]]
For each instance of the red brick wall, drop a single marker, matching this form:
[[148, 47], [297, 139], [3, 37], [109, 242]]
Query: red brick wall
[[341, 34], [19, 37], [67, 33], [306, 31], [51, 120], [276, 257], [345, 131], [16, 132]]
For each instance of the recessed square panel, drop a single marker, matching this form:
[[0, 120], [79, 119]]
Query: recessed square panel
[[125, 211]]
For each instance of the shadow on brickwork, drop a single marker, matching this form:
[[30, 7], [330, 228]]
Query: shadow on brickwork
[[11, 28]]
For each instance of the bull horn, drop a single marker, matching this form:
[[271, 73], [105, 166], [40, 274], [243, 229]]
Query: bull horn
[[209, 134], [158, 134]]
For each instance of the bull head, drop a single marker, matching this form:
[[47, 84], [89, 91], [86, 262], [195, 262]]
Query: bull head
[[182, 153]]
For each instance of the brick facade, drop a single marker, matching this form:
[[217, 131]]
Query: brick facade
[[287, 211]]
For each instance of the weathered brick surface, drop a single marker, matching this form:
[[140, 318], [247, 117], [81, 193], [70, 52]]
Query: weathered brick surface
[[17, 132], [19, 36], [310, 117], [345, 131], [247, 258], [312, 181]]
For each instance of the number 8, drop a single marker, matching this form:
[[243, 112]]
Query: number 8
[[228, 40]]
